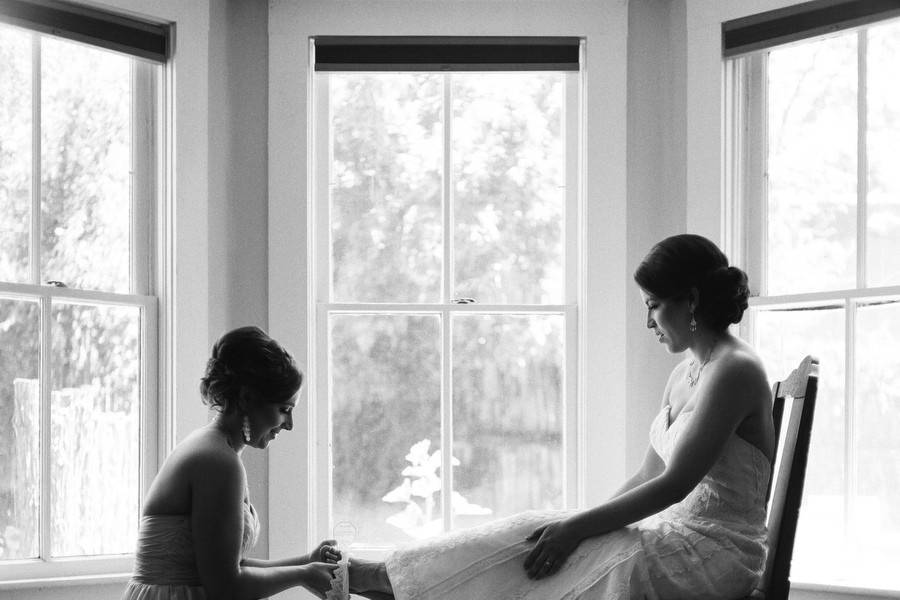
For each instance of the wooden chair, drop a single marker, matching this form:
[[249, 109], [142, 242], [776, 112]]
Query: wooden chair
[[793, 409]]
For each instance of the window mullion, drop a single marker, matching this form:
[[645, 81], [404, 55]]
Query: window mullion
[[862, 167], [45, 388], [849, 420], [35, 237], [446, 325], [447, 419]]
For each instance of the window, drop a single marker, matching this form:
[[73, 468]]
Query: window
[[445, 284], [78, 194], [820, 140]]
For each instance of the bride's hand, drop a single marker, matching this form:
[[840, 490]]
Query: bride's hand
[[555, 542], [325, 552]]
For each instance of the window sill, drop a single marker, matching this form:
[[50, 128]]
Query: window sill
[[48, 582]]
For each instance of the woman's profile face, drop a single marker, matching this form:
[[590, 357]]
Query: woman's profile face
[[669, 320], [268, 419]]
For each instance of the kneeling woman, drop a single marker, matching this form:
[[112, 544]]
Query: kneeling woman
[[689, 524]]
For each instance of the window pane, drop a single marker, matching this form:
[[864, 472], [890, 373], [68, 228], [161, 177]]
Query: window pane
[[385, 402], [20, 416], [812, 149], [875, 521], [95, 429], [385, 182], [15, 154], [509, 193], [86, 166], [507, 414], [784, 337], [883, 200]]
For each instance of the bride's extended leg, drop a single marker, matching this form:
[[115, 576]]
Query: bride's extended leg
[[375, 595], [369, 578]]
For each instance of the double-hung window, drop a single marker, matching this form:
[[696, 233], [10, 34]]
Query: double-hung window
[[444, 240], [80, 112], [817, 133]]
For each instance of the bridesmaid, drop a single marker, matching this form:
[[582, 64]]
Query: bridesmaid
[[197, 522]]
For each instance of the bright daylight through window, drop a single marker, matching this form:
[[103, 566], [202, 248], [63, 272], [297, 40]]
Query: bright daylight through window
[[824, 205], [77, 318], [445, 324]]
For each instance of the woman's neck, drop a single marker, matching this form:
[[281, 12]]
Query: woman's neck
[[230, 428]]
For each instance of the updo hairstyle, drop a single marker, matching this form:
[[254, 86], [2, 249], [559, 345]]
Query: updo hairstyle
[[680, 262], [248, 357]]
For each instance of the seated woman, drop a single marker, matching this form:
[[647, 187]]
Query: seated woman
[[689, 524], [197, 520]]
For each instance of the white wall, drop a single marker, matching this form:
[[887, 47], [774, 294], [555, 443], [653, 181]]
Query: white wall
[[238, 191], [656, 192]]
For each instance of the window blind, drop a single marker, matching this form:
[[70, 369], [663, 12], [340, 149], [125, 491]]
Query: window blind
[[126, 34], [422, 53], [801, 21]]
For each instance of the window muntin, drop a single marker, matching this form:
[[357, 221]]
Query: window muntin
[[458, 189], [826, 215], [77, 180]]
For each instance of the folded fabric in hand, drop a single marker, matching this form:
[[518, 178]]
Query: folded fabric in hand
[[340, 583]]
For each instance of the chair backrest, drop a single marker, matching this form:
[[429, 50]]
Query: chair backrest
[[793, 409]]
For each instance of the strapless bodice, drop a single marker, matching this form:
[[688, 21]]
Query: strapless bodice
[[732, 493], [165, 548]]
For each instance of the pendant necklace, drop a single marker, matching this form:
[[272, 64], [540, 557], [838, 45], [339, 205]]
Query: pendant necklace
[[693, 379]]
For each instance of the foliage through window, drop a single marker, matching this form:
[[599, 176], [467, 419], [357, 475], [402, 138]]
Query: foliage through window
[[825, 208], [445, 299], [77, 166]]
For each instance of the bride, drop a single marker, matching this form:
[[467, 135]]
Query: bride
[[689, 524]]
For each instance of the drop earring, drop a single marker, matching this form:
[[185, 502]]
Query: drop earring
[[246, 429], [693, 323]]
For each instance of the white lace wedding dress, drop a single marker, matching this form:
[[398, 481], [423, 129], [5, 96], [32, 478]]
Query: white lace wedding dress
[[710, 545]]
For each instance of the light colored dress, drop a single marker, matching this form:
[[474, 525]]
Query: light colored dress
[[164, 564], [710, 545]]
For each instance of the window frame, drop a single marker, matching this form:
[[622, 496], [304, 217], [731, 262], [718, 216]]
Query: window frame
[[148, 111], [745, 209], [319, 235], [602, 258]]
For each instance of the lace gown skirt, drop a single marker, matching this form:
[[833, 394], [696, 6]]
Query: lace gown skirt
[[710, 545]]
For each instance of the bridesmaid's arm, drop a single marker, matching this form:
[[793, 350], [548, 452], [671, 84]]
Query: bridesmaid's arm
[[324, 552], [217, 522]]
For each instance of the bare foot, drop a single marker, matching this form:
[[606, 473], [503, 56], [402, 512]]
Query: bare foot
[[368, 577]]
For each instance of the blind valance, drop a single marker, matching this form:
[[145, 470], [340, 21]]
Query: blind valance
[[126, 34], [801, 21], [426, 53]]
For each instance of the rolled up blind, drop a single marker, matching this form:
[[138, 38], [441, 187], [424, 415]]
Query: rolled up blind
[[801, 21], [421, 53], [126, 34]]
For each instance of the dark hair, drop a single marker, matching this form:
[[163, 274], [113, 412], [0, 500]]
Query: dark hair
[[680, 262], [248, 357]]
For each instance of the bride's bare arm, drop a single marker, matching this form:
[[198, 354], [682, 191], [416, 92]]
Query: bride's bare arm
[[731, 392]]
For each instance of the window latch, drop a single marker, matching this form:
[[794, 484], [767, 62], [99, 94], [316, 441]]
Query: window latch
[[465, 301], [56, 283]]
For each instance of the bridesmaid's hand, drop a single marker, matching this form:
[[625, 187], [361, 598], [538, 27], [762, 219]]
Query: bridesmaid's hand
[[325, 552], [317, 578], [555, 542]]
